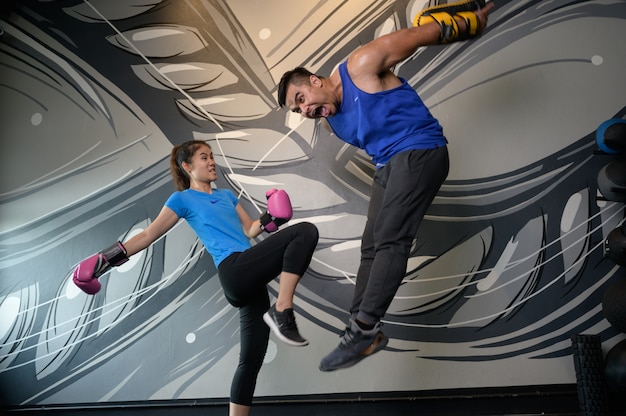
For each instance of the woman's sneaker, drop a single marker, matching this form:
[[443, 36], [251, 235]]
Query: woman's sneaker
[[283, 324], [356, 344]]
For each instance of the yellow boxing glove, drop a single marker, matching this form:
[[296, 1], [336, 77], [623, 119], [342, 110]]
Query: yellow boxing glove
[[445, 16]]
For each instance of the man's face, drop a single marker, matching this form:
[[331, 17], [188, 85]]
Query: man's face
[[310, 100]]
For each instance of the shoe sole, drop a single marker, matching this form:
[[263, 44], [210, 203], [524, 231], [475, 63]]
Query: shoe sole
[[270, 322], [379, 343]]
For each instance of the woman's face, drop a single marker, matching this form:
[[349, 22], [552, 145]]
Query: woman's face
[[202, 167]]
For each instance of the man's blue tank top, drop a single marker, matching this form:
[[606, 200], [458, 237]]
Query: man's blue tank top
[[386, 122]]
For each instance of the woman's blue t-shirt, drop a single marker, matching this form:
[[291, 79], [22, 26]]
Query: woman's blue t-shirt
[[214, 219]]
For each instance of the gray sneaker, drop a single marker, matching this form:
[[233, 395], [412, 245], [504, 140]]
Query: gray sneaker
[[356, 344], [283, 324]]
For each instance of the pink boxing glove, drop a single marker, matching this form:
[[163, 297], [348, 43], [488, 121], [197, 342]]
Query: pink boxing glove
[[278, 212], [86, 274]]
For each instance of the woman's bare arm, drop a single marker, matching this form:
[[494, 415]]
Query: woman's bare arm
[[161, 224], [251, 228]]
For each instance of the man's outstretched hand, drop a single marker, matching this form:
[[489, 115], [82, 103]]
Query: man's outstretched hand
[[483, 14]]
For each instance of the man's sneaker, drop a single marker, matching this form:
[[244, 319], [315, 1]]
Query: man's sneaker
[[284, 326], [356, 344]]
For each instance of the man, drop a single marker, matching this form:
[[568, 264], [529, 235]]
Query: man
[[368, 106]]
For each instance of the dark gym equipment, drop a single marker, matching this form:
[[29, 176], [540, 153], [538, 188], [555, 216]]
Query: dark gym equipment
[[590, 383], [612, 181], [614, 304], [615, 369], [615, 245], [611, 136]]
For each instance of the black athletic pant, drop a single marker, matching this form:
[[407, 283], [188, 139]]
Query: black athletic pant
[[402, 191], [244, 277]]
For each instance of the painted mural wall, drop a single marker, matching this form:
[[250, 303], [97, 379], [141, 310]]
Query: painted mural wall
[[506, 267]]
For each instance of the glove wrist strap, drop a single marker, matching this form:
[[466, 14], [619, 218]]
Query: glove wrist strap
[[116, 254], [266, 218]]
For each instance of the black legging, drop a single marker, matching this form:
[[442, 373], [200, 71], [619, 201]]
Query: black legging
[[244, 277]]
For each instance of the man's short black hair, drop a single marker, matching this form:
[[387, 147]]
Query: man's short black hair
[[296, 76]]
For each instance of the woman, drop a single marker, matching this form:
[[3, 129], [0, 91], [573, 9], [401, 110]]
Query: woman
[[244, 270]]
